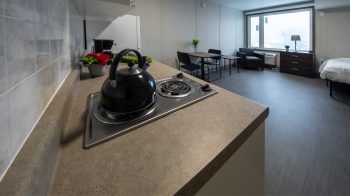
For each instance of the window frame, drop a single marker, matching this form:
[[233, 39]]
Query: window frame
[[261, 16]]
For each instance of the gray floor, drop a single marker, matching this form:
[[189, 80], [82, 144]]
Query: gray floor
[[307, 132]]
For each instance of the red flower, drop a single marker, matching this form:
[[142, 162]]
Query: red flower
[[103, 58], [91, 55]]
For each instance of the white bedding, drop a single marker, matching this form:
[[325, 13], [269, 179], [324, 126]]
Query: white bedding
[[337, 70]]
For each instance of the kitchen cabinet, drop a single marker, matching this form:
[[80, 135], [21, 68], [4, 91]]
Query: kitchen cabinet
[[103, 10], [125, 31]]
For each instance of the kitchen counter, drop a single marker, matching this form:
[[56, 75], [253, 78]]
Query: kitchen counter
[[165, 157], [215, 146]]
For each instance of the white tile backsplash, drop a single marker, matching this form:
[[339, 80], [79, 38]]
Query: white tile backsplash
[[20, 9], [62, 69], [55, 73], [42, 37], [45, 89], [53, 49], [20, 44], [5, 155], [35, 57], [56, 7], [2, 7], [60, 47], [2, 57], [68, 65], [24, 110], [41, 11]]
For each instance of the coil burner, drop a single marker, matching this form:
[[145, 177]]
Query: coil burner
[[174, 88], [108, 117]]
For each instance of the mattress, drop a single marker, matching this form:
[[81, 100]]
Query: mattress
[[337, 70]]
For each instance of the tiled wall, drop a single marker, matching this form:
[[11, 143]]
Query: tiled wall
[[39, 41]]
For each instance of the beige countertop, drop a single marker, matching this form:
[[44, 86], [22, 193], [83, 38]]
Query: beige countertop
[[159, 158]]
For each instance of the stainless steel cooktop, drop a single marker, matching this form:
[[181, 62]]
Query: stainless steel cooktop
[[173, 93]]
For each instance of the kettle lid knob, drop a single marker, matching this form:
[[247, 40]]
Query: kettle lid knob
[[131, 64]]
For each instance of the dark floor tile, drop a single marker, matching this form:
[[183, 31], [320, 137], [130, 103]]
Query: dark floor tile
[[307, 132]]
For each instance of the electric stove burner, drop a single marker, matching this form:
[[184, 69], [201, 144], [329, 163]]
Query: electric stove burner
[[108, 117], [173, 94], [174, 88]]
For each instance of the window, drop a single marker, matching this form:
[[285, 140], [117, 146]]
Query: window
[[254, 33], [274, 30]]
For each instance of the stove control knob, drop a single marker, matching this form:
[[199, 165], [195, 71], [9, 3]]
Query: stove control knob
[[180, 75], [206, 88]]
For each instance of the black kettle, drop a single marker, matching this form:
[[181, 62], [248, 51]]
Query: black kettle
[[128, 90]]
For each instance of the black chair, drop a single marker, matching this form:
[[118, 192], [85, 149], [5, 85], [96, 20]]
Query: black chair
[[104, 46], [185, 62], [251, 59], [215, 61], [101, 45]]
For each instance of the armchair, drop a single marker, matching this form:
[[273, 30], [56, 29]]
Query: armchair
[[250, 59]]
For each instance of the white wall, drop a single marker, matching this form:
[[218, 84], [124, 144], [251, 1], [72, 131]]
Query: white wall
[[180, 21], [332, 34], [150, 12], [240, 29], [178, 28], [208, 26], [228, 33], [168, 26]]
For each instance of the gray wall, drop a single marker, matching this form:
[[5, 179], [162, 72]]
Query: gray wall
[[39, 40], [168, 26], [332, 34]]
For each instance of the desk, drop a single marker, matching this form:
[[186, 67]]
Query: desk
[[202, 56], [231, 58]]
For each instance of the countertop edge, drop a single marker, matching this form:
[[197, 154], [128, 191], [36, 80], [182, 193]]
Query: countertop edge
[[195, 184]]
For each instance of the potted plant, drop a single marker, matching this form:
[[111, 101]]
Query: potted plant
[[287, 48], [133, 58], [195, 42], [97, 63]]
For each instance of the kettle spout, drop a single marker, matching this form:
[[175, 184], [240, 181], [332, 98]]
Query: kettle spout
[[144, 65]]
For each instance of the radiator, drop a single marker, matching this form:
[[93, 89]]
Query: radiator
[[271, 59]]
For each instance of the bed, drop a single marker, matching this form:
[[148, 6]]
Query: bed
[[335, 71]]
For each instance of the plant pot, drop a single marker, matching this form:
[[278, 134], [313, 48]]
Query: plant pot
[[97, 70], [195, 48]]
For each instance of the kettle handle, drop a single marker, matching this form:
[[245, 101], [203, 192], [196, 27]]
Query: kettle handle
[[116, 61]]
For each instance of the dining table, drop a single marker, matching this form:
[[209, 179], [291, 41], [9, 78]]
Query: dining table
[[231, 59], [202, 56]]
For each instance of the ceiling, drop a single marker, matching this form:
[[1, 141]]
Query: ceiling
[[254, 4]]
